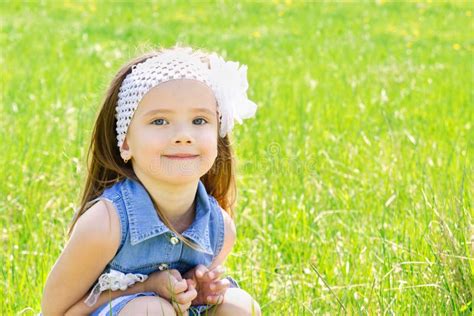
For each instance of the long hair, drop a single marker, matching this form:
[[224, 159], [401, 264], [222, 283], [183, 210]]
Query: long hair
[[105, 166]]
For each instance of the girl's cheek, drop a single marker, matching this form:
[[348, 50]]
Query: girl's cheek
[[154, 138], [210, 143]]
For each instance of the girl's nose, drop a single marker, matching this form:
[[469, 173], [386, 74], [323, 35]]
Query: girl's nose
[[178, 141], [183, 136]]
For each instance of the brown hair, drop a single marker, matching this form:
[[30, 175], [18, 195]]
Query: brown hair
[[106, 167]]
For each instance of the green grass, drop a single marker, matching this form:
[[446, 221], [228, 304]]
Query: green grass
[[357, 167]]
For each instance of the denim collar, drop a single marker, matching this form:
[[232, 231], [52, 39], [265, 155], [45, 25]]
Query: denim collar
[[144, 222]]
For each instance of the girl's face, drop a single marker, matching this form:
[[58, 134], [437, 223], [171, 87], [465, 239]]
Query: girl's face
[[175, 118]]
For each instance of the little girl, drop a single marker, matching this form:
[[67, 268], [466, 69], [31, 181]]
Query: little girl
[[155, 222]]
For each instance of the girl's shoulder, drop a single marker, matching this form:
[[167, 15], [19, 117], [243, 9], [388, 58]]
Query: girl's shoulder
[[101, 221], [91, 246]]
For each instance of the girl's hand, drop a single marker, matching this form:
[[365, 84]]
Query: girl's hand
[[210, 289], [166, 283], [170, 285], [183, 301]]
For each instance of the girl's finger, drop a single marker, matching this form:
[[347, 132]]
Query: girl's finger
[[219, 269], [191, 282], [179, 286], [176, 283], [220, 285], [200, 270], [213, 275], [186, 297], [215, 299]]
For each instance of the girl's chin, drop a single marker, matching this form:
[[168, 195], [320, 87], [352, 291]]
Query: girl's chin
[[176, 171], [179, 179], [179, 176]]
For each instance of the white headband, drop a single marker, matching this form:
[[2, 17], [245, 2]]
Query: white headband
[[226, 79]]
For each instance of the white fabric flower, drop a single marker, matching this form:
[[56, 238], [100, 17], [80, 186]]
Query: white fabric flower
[[229, 83]]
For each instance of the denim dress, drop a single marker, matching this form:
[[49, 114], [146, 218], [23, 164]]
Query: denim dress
[[148, 245]]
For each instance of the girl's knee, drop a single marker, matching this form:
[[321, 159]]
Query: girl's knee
[[238, 302], [148, 305]]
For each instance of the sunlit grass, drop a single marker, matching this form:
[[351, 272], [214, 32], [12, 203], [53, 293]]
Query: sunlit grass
[[357, 166]]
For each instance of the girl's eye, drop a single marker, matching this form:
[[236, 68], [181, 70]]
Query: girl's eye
[[200, 120], [159, 122]]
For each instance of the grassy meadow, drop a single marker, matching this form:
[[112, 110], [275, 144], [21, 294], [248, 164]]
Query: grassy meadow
[[355, 188]]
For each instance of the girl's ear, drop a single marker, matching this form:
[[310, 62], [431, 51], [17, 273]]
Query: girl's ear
[[125, 151], [125, 144]]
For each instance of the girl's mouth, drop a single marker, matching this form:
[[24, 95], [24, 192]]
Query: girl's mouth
[[181, 157]]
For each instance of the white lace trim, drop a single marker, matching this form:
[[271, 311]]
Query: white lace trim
[[113, 280]]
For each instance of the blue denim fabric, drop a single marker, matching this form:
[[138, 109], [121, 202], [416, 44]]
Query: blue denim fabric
[[146, 245]]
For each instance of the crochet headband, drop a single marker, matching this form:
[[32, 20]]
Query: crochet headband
[[226, 79]]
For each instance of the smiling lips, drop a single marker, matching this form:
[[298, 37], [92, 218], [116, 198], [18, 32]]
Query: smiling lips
[[181, 156]]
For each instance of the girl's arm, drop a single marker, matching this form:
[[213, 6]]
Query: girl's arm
[[81, 309], [93, 243], [230, 236], [158, 282]]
